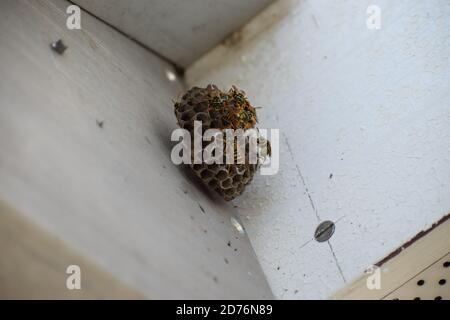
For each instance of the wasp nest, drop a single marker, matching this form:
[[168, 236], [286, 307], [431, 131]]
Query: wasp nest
[[219, 110]]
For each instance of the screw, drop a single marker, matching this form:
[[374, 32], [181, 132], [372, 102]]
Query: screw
[[237, 225], [58, 46], [324, 231]]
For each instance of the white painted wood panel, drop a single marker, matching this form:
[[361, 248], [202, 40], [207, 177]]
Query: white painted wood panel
[[33, 262], [109, 191], [181, 31], [364, 118], [422, 259]]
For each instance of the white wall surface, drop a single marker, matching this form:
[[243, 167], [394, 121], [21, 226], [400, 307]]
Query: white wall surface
[[180, 30], [369, 107], [110, 192]]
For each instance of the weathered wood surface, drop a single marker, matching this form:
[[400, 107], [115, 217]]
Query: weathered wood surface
[[364, 124], [181, 31], [85, 156]]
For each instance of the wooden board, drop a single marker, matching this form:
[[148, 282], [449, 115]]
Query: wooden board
[[34, 265], [364, 132], [181, 31], [85, 156], [399, 276]]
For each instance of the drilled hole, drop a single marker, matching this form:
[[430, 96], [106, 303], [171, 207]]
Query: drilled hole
[[420, 282], [417, 298], [442, 282], [446, 264], [438, 298]]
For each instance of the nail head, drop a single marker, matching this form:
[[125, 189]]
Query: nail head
[[58, 46]]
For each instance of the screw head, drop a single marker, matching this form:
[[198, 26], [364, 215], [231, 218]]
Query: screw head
[[58, 46], [237, 225], [324, 231]]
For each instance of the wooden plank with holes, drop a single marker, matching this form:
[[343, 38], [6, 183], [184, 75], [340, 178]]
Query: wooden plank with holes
[[425, 259]]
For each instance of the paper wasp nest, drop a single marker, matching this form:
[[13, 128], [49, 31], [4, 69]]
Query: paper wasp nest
[[220, 110]]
